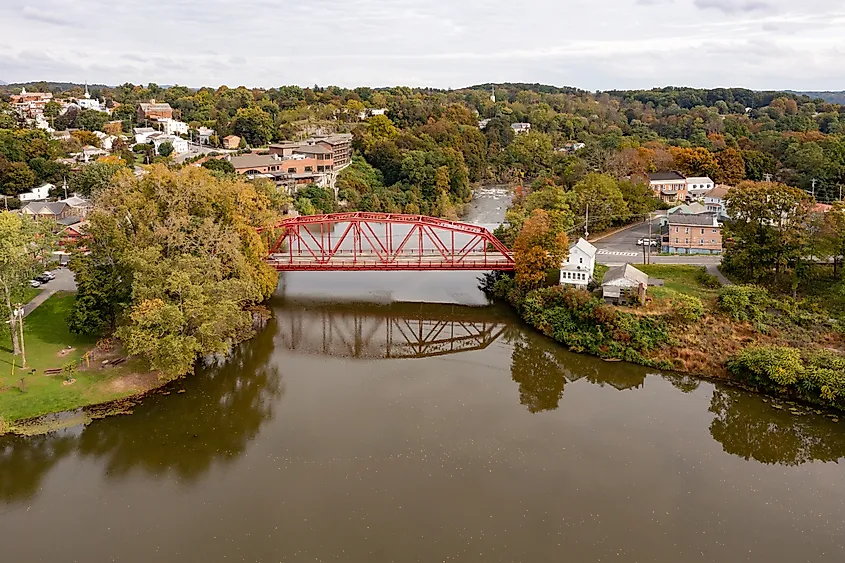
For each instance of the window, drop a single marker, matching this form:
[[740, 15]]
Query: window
[[291, 170], [677, 240], [686, 230], [677, 229], [702, 231], [713, 241], [582, 260], [715, 231], [686, 241], [309, 168]]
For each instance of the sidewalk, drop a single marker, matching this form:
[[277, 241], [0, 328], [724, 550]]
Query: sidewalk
[[64, 282]]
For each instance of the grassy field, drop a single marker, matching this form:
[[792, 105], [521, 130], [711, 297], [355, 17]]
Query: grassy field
[[678, 277], [46, 335]]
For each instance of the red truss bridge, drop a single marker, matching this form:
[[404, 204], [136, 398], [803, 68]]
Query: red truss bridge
[[383, 241]]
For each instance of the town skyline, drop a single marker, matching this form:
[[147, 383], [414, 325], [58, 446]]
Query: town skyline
[[623, 44]]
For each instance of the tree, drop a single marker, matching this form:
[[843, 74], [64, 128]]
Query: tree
[[695, 161], [731, 169], [219, 165], [16, 178], [165, 149], [601, 194], [189, 242], [94, 178], [91, 119], [768, 230], [86, 137], [18, 236], [253, 125], [538, 248]]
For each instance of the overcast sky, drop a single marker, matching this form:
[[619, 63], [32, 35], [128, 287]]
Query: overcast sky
[[607, 44]]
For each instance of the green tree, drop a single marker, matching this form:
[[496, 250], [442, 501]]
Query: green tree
[[91, 119], [768, 230], [16, 178], [189, 241], [601, 194], [253, 125], [19, 235], [165, 149], [94, 178], [219, 165]]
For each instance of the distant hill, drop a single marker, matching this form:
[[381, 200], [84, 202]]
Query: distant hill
[[832, 97]]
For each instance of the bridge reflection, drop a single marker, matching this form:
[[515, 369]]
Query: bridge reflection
[[395, 331]]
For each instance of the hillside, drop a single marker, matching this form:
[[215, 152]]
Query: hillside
[[831, 97]]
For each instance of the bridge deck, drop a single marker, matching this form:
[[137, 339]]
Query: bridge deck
[[347, 261]]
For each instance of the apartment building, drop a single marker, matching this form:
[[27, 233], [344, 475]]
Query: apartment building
[[152, 111], [332, 152], [699, 233], [668, 186], [30, 104]]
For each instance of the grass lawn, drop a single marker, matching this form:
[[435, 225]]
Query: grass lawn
[[682, 278], [45, 335], [29, 294]]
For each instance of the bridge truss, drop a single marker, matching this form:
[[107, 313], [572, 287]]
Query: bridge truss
[[384, 241]]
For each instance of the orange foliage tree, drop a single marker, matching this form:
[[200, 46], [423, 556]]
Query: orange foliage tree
[[539, 248]]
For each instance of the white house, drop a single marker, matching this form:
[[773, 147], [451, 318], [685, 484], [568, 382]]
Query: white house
[[698, 186], [37, 194], [578, 268], [521, 127], [714, 200], [180, 145], [87, 102], [173, 126], [142, 134], [204, 135], [483, 123]]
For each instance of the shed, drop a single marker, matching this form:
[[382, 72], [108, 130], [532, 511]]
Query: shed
[[623, 283]]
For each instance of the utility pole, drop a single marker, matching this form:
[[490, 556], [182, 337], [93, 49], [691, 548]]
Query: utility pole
[[767, 177], [813, 184], [586, 222], [649, 238]]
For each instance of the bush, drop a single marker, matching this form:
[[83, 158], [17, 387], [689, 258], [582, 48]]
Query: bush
[[764, 365], [744, 302], [686, 308], [817, 376], [708, 280]]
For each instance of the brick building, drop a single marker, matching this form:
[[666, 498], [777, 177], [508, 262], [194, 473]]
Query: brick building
[[699, 233], [152, 111]]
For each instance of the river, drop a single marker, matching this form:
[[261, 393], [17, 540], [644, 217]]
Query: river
[[400, 417]]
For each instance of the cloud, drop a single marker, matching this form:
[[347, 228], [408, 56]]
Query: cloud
[[733, 6], [441, 43], [33, 14]]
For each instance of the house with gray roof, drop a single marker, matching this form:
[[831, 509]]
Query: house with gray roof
[[624, 283]]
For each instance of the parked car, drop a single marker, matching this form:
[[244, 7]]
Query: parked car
[[34, 283], [641, 242], [49, 275], [42, 279]]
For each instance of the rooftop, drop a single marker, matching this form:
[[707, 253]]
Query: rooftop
[[585, 247], [658, 176], [707, 219], [312, 149], [719, 191], [253, 161], [625, 271]]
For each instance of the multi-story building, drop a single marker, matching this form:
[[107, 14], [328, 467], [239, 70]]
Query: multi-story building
[[668, 186], [698, 186], [521, 127], [173, 126], [340, 146], [30, 104], [333, 152], [579, 266], [714, 200], [699, 233], [153, 110]]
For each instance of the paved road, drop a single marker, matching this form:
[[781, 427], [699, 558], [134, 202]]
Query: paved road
[[64, 282]]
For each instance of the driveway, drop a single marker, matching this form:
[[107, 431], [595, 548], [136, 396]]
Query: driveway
[[64, 282]]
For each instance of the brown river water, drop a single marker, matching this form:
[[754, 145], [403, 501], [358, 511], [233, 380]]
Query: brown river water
[[398, 417]]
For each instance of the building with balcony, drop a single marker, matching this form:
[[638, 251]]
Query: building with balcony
[[668, 186]]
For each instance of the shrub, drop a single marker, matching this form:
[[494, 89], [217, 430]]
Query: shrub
[[764, 365], [708, 280], [686, 308], [744, 302]]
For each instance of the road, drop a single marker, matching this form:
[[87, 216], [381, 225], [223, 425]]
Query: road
[[64, 282], [621, 247]]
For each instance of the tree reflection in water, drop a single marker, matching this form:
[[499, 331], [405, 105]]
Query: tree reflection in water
[[24, 462], [225, 408], [751, 429]]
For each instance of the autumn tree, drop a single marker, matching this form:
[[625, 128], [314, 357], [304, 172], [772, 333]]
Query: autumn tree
[[731, 169], [600, 193], [695, 161], [188, 241], [538, 248]]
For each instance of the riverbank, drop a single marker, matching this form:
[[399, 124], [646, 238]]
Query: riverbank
[[736, 334], [64, 372]]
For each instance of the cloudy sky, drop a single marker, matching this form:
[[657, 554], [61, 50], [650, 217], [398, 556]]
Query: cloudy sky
[[761, 44]]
